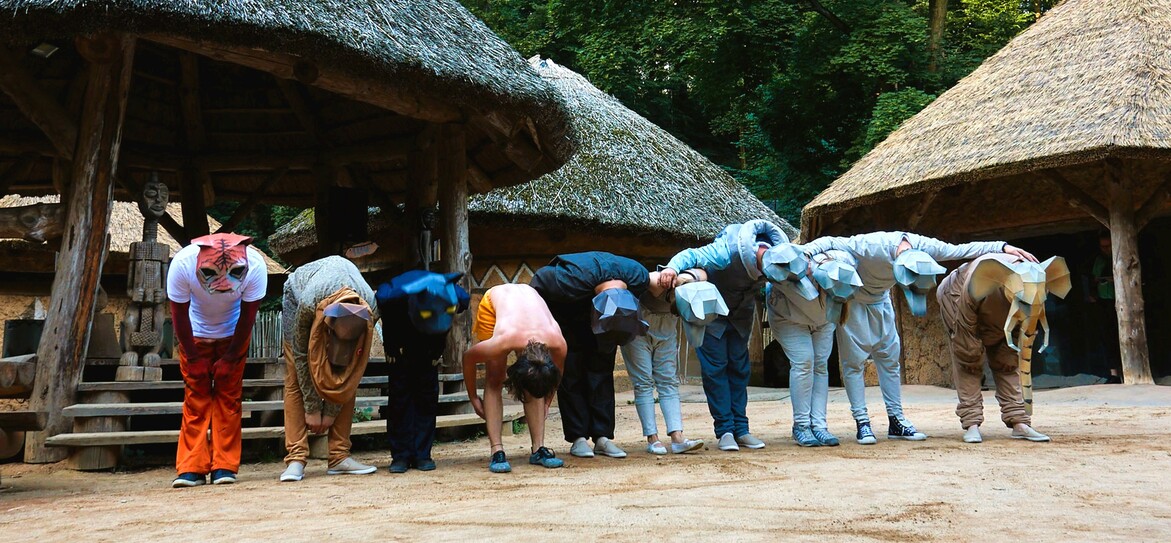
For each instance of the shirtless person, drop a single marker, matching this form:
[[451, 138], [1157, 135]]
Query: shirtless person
[[514, 319]]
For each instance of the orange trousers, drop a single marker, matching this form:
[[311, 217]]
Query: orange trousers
[[211, 400]]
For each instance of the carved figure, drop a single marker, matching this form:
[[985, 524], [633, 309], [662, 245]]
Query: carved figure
[[145, 283]]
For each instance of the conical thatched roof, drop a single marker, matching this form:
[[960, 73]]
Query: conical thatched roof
[[628, 176], [1089, 80], [292, 84], [125, 227]]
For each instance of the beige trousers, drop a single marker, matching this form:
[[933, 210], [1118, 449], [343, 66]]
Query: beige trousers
[[297, 433]]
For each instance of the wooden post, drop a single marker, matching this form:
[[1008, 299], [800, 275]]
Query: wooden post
[[456, 251], [104, 456], [422, 194], [323, 177], [61, 352], [1128, 293], [194, 206]]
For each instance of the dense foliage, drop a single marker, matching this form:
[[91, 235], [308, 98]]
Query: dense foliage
[[784, 93]]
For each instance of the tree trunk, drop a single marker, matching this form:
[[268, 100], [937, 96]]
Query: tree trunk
[[936, 21], [456, 253], [61, 353], [1128, 293]]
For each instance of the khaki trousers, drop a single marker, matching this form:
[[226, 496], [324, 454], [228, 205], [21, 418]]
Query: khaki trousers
[[297, 434]]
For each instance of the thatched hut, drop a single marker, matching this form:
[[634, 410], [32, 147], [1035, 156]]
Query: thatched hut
[[303, 102], [1065, 130], [631, 189]]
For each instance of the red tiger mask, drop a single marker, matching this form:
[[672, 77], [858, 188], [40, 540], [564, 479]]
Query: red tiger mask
[[223, 261]]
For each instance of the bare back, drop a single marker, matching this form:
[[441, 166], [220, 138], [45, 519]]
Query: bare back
[[521, 315]]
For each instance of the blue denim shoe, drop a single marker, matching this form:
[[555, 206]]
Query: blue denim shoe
[[185, 480], [804, 437], [865, 434], [545, 457], [499, 464], [826, 438], [901, 428], [222, 477], [399, 466]]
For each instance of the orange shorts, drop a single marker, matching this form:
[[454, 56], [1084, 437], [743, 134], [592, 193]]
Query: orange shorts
[[485, 323]]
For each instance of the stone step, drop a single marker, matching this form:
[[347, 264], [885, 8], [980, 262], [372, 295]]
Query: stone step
[[175, 408], [95, 439]]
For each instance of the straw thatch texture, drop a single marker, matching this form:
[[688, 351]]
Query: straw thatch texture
[[628, 176], [1089, 80], [125, 227]]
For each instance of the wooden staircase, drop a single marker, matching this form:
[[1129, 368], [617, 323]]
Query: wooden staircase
[[110, 414]]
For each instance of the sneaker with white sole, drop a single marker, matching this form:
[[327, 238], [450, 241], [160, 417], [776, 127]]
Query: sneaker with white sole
[[1030, 434], [581, 448], [294, 472], [804, 437], [728, 443], [972, 434], [750, 441], [349, 466], [185, 480], [656, 448], [606, 446], [223, 477], [901, 428], [825, 437], [865, 434], [687, 445]]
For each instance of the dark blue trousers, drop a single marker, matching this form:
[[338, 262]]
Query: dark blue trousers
[[723, 363], [411, 407]]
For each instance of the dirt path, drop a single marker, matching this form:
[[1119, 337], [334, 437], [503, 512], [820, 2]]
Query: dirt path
[[1106, 476]]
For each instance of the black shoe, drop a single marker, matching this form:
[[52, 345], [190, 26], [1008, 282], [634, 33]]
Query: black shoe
[[399, 466], [425, 464], [1114, 380], [900, 428]]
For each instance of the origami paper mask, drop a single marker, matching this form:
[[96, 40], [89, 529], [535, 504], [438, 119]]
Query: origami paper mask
[[784, 263], [699, 304], [432, 300], [615, 319], [915, 272], [348, 323], [1026, 285], [222, 261], [840, 281]]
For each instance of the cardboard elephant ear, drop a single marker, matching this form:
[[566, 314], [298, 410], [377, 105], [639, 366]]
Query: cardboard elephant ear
[[989, 276], [1057, 276]]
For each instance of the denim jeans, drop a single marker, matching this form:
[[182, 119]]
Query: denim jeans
[[723, 363], [870, 332], [651, 361], [808, 349]]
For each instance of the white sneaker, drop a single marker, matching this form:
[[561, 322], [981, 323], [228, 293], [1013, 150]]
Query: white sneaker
[[295, 471], [728, 443], [973, 434], [656, 448], [750, 441], [688, 445], [607, 447], [1030, 434], [581, 448], [349, 466]]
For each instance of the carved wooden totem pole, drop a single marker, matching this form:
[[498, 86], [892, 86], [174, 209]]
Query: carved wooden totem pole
[[146, 279]]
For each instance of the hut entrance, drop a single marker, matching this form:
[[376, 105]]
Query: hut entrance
[[1085, 337]]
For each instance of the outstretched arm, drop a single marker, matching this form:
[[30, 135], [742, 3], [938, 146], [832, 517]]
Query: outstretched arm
[[478, 354]]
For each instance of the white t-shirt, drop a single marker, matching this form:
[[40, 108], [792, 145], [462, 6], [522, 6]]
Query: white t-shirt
[[213, 316]]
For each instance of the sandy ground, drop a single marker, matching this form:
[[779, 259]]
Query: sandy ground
[[1106, 476]]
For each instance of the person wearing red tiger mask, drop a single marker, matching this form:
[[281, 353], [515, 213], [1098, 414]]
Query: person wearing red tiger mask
[[215, 286]]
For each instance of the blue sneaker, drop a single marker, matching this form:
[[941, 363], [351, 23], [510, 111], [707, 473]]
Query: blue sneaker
[[222, 477], [185, 480], [545, 457], [804, 437], [865, 434], [826, 438], [499, 463]]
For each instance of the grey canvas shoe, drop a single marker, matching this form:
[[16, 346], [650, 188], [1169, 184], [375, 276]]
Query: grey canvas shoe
[[750, 441], [1030, 434], [581, 448], [972, 435], [349, 466], [294, 472], [728, 443], [607, 447]]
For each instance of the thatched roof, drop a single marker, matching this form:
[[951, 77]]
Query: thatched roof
[[125, 227], [1089, 80], [628, 176], [364, 76]]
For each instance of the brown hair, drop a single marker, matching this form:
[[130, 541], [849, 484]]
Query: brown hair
[[534, 374]]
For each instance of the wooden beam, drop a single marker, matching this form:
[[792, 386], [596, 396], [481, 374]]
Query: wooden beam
[[1076, 197], [194, 206], [478, 181], [37, 222], [1128, 292], [921, 209], [17, 171], [514, 143], [193, 128], [248, 205], [456, 255], [36, 104], [16, 376], [79, 267], [304, 111], [422, 194], [332, 79], [323, 179], [1154, 205]]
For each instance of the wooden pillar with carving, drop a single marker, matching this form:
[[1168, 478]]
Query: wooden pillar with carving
[[61, 353], [456, 255]]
